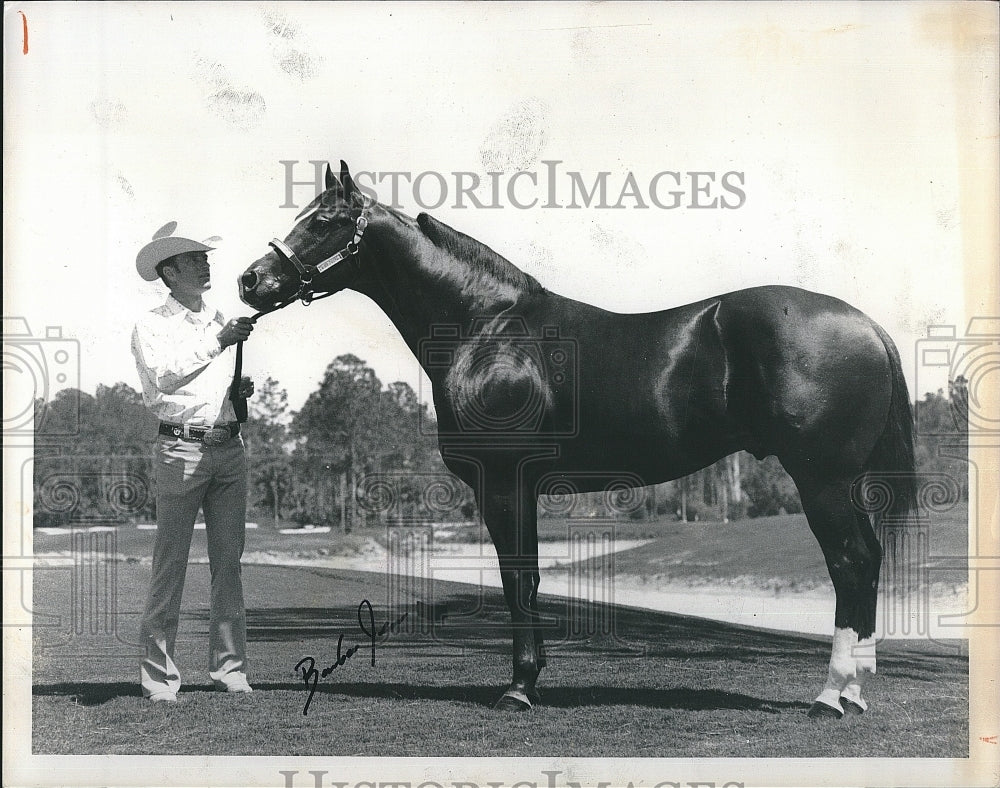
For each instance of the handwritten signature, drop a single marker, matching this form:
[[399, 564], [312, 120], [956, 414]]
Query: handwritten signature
[[366, 620]]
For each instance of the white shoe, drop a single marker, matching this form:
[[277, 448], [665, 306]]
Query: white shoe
[[237, 686], [163, 697]]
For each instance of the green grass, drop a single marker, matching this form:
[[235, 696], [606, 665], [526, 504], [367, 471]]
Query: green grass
[[661, 686]]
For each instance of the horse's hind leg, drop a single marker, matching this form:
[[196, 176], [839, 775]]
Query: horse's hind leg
[[853, 558], [850, 696]]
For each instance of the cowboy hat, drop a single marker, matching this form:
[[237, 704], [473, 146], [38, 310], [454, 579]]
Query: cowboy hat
[[164, 245]]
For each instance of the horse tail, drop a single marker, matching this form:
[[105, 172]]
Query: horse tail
[[889, 485]]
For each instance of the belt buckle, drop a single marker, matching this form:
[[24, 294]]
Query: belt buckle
[[215, 436]]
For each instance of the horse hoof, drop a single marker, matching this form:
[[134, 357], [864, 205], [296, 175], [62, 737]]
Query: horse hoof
[[510, 703], [850, 707], [822, 711]]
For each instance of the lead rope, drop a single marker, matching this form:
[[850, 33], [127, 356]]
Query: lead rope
[[239, 401], [305, 295]]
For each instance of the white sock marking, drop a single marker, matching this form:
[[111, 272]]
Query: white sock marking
[[850, 660]]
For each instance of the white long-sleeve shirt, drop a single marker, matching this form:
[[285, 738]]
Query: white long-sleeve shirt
[[185, 374]]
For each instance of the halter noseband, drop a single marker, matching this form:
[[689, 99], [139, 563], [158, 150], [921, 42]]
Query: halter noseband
[[306, 294]]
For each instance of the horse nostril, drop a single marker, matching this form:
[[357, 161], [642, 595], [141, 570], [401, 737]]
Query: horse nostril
[[249, 280]]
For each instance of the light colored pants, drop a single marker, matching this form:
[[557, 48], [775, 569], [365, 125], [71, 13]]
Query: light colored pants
[[190, 477]]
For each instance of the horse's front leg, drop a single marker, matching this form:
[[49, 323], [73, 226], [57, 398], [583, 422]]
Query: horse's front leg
[[511, 521]]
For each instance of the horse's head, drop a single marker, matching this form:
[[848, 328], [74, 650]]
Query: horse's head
[[318, 255]]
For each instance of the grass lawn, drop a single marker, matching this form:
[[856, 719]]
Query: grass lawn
[[642, 684], [766, 552]]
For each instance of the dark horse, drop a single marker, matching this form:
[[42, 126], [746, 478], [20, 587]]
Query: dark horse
[[530, 386]]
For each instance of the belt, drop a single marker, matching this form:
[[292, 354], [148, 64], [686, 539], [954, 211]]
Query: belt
[[209, 436]]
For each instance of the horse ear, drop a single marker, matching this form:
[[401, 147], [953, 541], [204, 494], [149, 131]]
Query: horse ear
[[345, 178], [331, 180]]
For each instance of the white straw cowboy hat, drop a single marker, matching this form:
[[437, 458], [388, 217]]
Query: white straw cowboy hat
[[165, 244]]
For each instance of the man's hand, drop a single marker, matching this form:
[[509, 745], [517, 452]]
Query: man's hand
[[246, 387], [236, 330]]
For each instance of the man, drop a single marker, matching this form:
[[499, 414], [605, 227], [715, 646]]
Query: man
[[184, 352]]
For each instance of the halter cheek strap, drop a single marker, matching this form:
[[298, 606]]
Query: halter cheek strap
[[360, 225], [306, 293], [308, 272]]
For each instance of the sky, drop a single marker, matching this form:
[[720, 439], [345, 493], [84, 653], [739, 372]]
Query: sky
[[858, 131]]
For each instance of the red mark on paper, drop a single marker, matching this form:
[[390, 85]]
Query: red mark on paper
[[24, 25], [988, 739]]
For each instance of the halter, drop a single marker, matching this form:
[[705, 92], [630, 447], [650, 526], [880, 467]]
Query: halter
[[307, 273]]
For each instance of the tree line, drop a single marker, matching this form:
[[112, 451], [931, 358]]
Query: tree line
[[359, 453]]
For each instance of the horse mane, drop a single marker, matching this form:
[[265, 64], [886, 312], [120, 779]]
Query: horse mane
[[476, 253]]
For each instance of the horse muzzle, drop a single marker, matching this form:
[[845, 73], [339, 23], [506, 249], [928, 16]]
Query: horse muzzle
[[259, 288], [246, 284]]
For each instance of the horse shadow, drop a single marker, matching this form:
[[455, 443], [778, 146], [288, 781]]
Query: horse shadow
[[681, 698], [569, 697], [458, 621]]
